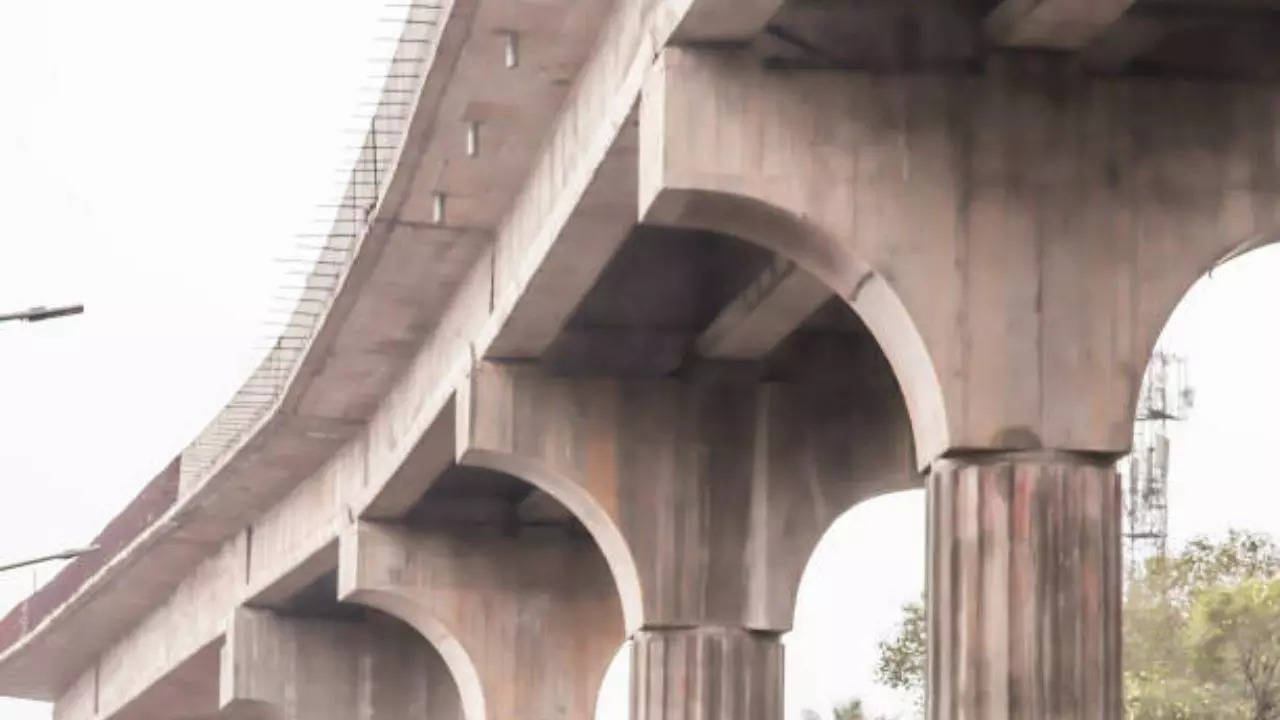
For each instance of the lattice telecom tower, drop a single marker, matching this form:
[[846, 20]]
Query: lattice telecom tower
[[1165, 397]]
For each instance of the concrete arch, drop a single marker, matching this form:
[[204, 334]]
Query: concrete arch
[[1164, 298], [281, 667], [461, 667], [575, 497], [866, 291], [519, 620], [817, 539], [614, 687], [734, 472]]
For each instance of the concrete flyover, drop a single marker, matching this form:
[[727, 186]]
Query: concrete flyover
[[716, 271]]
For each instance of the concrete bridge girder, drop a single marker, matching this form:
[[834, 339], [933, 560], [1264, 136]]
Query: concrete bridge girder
[[703, 497], [526, 623], [1013, 239], [283, 668], [267, 666], [1014, 242]]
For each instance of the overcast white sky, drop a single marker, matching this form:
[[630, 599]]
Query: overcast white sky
[[156, 156]]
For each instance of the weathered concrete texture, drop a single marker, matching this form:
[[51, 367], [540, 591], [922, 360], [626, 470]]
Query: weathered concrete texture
[[192, 617], [580, 199], [188, 691], [707, 496], [1012, 231], [768, 310], [527, 623], [706, 673], [418, 304], [310, 669], [724, 20], [1061, 24], [1015, 240], [1024, 589]]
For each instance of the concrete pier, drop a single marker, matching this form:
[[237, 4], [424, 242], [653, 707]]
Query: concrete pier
[[719, 271], [1024, 588]]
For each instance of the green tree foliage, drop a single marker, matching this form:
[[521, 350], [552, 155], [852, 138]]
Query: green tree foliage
[[901, 662], [1201, 635], [1202, 632], [851, 710], [1235, 635]]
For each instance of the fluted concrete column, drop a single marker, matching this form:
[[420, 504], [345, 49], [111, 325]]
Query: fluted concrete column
[[1024, 589], [706, 673]]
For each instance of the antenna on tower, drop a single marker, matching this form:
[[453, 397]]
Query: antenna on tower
[[1165, 398]]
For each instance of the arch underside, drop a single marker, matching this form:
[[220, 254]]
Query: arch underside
[[984, 331], [866, 292], [672, 469], [283, 666], [524, 615], [462, 669], [1015, 248]]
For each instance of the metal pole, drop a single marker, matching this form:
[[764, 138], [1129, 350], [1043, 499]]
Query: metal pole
[[64, 555], [40, 312]]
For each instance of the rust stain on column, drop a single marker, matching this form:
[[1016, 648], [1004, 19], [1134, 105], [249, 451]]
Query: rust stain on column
[[1024, 599]]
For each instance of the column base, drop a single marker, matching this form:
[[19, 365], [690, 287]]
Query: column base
[[706, 673]]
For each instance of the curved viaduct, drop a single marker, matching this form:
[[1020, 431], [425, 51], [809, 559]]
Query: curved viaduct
[[650, 292]]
